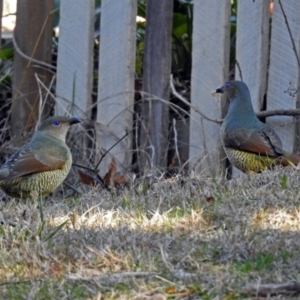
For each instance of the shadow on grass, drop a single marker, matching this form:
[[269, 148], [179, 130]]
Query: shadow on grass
[[183, 239]]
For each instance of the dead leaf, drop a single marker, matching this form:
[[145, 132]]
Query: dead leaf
[[112, 170], [86, 178], [176, 164], [171, 290], [116, 179], [56, 269], [210, 199], [120, 180]]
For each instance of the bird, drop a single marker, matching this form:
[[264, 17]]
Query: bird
[[250, 145], [41, 165]]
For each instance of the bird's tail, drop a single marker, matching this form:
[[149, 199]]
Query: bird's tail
[[291, 159]]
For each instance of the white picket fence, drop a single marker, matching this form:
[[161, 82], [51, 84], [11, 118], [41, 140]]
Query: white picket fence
[[268, 57], [268, 65]]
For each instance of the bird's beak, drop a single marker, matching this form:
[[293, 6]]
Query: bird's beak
[[74, 120], [220, 89]]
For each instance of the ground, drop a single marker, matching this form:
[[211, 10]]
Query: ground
[[184, 238]]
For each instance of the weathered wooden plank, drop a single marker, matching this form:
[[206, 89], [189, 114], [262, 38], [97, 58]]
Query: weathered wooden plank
[[210, 69], [284, 78], [252, 47], [75, 57], [116, 79], [252, 50], [156, 83]]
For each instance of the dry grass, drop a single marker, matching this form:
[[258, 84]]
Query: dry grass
[[187, 238]]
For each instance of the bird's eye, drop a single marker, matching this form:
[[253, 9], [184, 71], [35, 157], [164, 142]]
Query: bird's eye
[[56, 123], [227, 85]]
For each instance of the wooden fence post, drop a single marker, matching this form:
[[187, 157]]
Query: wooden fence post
[[156, 83], [210, 69], [284, 71], [252, 50], [116, 80], [75, 58]]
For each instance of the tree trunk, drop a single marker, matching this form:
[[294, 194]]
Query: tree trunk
[[33, 38], [157, 69]]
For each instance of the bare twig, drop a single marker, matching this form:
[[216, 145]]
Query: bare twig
[[164, 259], [95, 170], [42, 102], [30, 59], [122, 138], [239, 68], [261, 114], [73, 188], [176, 94], [176, 141], [278, 112]]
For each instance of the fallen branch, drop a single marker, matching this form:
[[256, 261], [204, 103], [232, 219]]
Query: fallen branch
[[271, 289]]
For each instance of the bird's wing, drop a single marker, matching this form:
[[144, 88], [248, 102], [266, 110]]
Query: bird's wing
[[264, 141], [27, 162]]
